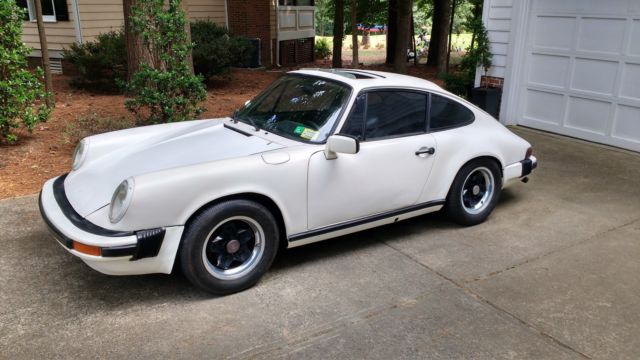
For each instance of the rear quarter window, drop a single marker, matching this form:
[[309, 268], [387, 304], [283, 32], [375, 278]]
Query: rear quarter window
[[447, 114]]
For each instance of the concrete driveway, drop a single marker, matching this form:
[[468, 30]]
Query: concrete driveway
[[554, 273]]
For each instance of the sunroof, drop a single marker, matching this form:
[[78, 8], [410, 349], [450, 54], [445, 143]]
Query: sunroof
[[348, 73]]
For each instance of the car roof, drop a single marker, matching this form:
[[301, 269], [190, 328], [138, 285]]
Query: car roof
[[362, 79]]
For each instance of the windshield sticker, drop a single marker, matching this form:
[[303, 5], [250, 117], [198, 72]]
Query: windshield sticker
[[308, 134], [299, 130]]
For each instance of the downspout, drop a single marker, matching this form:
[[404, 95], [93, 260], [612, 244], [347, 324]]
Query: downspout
[[226, 14], [277, 33], [76, 21]]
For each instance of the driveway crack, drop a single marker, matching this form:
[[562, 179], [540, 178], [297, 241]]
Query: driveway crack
[[479, 298]]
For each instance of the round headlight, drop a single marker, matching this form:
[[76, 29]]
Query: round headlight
[[120, 200], [79, 154]]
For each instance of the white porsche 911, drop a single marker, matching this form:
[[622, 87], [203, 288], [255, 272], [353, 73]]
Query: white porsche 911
[[319, 154]]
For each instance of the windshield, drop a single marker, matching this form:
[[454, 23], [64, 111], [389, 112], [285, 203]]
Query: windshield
[[299, 107]]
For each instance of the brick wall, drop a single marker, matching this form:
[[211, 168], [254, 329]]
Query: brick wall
[[250, 18], [494, 82]]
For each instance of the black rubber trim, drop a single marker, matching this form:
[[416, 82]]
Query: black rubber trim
[[527, 167], [73, 216], [237, 130], [149, 243], [118, 251], [364, 220], [57, 234]]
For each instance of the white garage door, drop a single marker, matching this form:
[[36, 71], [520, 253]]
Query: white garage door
[[582, 70]]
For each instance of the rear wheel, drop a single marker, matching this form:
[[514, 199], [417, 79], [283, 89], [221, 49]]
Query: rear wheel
[[474, 192], [229, 246]]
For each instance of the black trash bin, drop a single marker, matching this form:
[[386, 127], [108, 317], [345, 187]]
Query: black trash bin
[[488, 99]]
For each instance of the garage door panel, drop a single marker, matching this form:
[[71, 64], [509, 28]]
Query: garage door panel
[[627, 123], [582, 70], [630, 87], [597, 76], [549, 70], [634, 43], [588, 115], [554, 32], [601, 35], [544, 107]]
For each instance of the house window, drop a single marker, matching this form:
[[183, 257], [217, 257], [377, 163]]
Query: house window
[[52, 10], [295, 2]]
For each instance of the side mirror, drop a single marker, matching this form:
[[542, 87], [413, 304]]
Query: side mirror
[[341, 144]]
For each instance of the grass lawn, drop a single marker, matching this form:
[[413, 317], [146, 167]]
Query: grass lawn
[[376, 53]]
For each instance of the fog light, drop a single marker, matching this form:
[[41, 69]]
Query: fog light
[[87, 249]]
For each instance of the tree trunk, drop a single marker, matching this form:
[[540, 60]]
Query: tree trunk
[[402, 36], [354, 34], [338, 34], [392, 18], [443, 45], [137, 53], [366, 39], [439, 31], [187, 30], [44, 52], [453, 14]]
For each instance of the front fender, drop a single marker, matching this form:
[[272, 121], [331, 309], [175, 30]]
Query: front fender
[[170, 197]]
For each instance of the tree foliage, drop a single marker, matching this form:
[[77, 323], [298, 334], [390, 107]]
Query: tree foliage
[[165, 90], [22, 95], [215, 50]]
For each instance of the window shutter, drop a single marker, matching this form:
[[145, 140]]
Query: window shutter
[[23, 5], [62, 13]]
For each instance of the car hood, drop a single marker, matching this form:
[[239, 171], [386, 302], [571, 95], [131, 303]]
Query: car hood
[[135, 152]]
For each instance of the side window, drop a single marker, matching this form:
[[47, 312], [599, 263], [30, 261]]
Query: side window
[[445, 114], [386, 114], [395, 113], [355, 122]]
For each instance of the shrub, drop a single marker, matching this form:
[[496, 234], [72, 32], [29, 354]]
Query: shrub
[[478, 55], [101, 63], [22, 93], [380, 45], [215, 50], [322, 49], [92, 125], [166, 91]]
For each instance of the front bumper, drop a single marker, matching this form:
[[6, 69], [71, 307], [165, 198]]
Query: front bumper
[[113, 252], [519, 170]]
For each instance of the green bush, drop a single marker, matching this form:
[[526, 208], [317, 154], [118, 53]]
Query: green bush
[[101, 63], [322, 49], [478, 55], [22, 93], [167, 90], [215, 50]]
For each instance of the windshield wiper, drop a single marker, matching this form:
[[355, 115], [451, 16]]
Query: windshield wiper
[[250, 120]]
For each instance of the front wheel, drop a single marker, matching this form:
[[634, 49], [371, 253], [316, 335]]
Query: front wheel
[[474, 192], [229, 246]]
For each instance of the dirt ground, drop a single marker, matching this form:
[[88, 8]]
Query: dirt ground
[[45, 153]]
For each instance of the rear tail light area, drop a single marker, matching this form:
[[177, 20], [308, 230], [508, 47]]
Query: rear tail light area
[[529, 153]]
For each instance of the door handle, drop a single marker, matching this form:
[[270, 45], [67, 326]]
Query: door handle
[[426, 151]]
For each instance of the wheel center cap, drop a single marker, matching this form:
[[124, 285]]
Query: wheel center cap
[[233, 246], [475, 190]]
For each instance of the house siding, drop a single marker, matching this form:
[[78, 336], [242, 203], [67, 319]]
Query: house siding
[[497, 16], [60, 34], [100, 16]]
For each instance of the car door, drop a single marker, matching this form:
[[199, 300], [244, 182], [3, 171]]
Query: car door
[[391, 168]]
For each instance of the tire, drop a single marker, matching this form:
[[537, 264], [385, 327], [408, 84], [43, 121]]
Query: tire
[[474, 192], [229, 246]]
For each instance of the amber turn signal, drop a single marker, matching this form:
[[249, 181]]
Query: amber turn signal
[[87, 249]]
